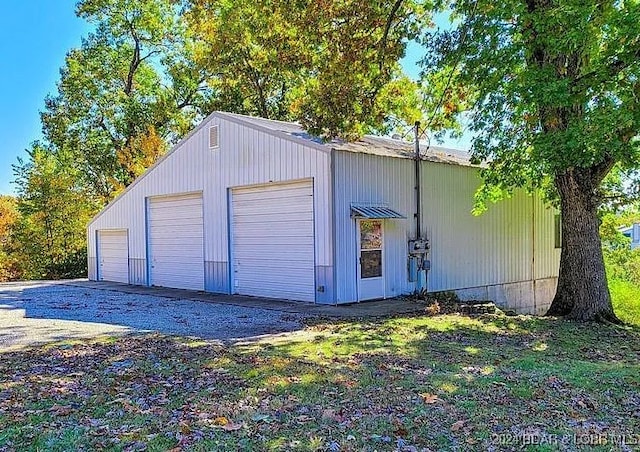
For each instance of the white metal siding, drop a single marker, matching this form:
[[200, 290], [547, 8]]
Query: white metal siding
[[245, 157], [113, 256], [273, 241], [547, 257], [176, 242], [470, 251], [362, 178], [467, 251]]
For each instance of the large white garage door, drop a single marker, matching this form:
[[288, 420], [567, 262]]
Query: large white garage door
[[273, 241], [113, 256], [176, 242]]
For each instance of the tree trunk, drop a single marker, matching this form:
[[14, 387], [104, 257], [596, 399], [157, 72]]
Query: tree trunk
[[583, 292]]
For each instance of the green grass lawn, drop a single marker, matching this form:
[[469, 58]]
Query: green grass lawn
[[445, 382]]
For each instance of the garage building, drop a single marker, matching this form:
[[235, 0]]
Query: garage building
[[257, 207]]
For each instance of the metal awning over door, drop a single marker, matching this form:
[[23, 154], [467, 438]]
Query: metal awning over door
[[373, 212]]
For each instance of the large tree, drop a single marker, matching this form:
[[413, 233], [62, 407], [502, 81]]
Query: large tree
[[332, 65], [557, 106], [49, 238], [130, 89]]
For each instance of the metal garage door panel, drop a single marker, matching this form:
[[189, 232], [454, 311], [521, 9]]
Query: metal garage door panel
[[273, 241], [176, 242], [113, 256]]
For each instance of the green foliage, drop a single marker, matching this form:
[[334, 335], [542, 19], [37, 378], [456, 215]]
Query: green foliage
[[131, 78], [49, 239], [622, 262], [356, 84], [620, 190], [555, 86], [623, 265], [9, 217], [626, 300], [333, 66], [124, 95], [253, 51], [555, 98]]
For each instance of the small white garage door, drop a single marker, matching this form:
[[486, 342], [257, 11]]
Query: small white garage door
[[113, 256], [176, 242], [273, 241]]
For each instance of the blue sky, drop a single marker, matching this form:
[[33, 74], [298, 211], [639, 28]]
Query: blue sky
[[35, 36]]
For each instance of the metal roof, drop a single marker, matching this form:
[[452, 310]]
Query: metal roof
[[368, 144], [373, 211], [389, 147]]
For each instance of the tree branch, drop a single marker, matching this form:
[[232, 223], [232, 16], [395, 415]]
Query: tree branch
[[149, 55], [135, 59], [600, 171], [255, 78], [133, 67], [190, 95], [104, 127], [611, 70], [387, 29]]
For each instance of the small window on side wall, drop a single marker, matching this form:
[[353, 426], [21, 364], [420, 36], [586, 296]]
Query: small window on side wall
[[557, 230]]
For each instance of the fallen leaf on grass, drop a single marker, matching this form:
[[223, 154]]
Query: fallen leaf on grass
[[221, 421], [429, 398], [232, 427], [587, 404], [457, 426], [60, 410], [226, 424], [331, 415], [185, 429], [401, 432]]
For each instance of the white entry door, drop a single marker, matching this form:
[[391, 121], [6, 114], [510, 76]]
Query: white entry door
[[176, 242], [370, 259], [113, 256]]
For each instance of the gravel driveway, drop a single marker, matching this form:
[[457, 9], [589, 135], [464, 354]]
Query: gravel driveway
[[40, 312]]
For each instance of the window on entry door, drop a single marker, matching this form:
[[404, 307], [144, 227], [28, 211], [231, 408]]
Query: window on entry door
[[371, 249]]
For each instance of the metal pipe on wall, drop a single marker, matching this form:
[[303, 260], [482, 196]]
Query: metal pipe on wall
[[417, 185], [418, 247]]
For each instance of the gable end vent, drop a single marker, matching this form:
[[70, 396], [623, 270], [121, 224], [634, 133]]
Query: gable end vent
[[214, 137]]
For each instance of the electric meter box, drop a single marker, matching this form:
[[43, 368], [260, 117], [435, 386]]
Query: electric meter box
[[419, 246]]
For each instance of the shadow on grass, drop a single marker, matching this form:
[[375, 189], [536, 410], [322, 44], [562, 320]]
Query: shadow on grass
[[446, 382]]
